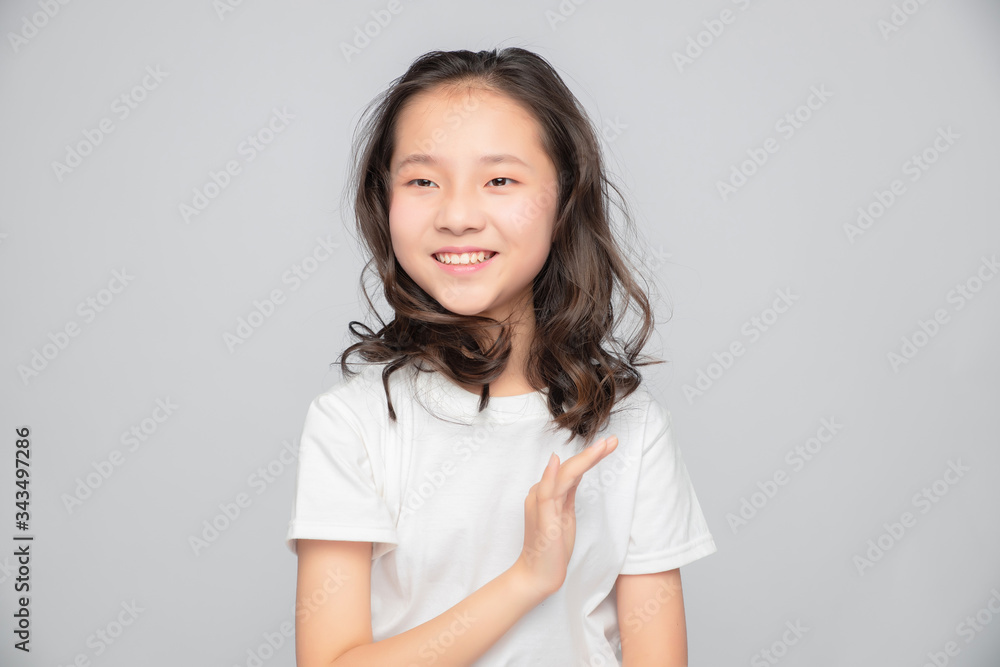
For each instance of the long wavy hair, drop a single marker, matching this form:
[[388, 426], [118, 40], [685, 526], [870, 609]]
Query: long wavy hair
[[575, 353]]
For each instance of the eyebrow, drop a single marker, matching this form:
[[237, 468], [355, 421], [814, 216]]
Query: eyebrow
[[424, 158]]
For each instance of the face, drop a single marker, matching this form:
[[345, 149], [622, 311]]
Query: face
[[469, 173]]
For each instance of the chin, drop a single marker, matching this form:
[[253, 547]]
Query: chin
[[463, 308], [462, 311]]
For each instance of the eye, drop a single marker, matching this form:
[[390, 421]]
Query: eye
[[421, 180], [503, 178]]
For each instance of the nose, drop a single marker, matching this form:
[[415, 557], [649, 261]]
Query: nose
[[460, 211]]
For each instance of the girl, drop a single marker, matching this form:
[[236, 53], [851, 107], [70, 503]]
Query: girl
[[434, 520]]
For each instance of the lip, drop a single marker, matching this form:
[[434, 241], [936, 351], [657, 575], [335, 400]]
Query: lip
[[461, 269], [461, 249]]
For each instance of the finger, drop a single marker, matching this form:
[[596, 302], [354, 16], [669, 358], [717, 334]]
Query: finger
[[531, 499], [573, 469], [568, 493], [569, 478], [568, 498], [588, 456], [547, 484], [570, 505], [575, 466]]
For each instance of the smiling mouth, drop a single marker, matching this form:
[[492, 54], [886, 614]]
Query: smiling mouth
[[456, 259]]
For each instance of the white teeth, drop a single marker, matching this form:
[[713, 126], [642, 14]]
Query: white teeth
[[464, 258]]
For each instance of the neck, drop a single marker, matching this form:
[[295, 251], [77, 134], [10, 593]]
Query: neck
[[514, 381]]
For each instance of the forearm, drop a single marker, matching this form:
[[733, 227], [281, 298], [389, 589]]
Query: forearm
[[458, 636]]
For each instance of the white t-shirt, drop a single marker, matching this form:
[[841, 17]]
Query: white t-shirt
[[443, 505]]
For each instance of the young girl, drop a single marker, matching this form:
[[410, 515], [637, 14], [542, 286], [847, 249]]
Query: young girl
[[440, 516]]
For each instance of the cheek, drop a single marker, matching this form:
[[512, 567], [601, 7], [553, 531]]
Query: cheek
[[531, 228], [401, 227], [529, 215]]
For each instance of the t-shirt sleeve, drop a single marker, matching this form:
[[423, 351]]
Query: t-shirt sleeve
[[668, 527], [336, 495]]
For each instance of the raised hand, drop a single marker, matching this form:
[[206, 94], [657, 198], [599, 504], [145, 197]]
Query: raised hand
[[550, 518]]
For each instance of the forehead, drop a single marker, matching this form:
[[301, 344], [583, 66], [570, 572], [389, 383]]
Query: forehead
[[451, 120]]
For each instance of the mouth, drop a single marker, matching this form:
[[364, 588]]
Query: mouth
[[463, 258]]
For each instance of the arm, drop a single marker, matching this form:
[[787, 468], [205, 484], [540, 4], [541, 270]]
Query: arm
[[651, 619], [333, 613]]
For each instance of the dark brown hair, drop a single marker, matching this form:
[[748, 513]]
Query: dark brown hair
[[575, 353]]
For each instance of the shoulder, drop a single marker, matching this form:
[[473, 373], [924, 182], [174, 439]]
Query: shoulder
[[366, 378], [646, 416], [365, 389], [360, 396], [642, 405]]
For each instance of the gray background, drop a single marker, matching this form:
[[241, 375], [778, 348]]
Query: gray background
[[671, 135]]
